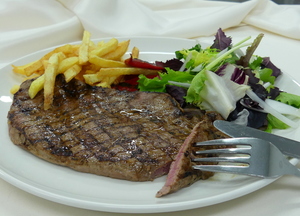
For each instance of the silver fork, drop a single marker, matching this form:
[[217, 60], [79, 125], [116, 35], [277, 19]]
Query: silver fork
[[246, 156]]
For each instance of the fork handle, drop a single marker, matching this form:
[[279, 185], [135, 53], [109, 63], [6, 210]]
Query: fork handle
[[290, 169], [296, 172]]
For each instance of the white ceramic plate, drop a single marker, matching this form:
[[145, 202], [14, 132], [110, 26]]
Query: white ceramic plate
[[65, 186]]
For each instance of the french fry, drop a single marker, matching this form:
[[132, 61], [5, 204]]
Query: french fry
[[111, 45], [65, 49], [135, 52], [14, 89], [50, 74], [33, 68], [72, 72], [36, 86], [84, 48], [91, 79], [100, 43], [106, 82], [102, 62], [111, 72], [118, 52], [90, 67], [67, 63], [19, 69], [29, 68]]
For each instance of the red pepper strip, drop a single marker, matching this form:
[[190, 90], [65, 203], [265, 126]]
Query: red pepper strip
[[134, 62], [130, 83]]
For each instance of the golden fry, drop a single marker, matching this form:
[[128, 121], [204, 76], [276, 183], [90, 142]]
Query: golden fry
[[19, 69], [135, 52], [33, 68], [28, 69], [14, 89], [67, 63], [111, 45], [107, 82], [50, 74], [72, 72], [36, 86], [92, 78], [118, 52], [65, 49], [84, 48], [102, 62]]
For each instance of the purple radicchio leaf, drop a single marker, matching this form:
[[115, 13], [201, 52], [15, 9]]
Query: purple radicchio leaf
[[178, 93], [268, 64], [274, 92], [238, 76], [234, 73], [174, 64], [259, 90], [252, 79], [221, 41], [221, 70]]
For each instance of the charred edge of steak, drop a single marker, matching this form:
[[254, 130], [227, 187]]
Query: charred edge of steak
[[125, 135], [181, 173]]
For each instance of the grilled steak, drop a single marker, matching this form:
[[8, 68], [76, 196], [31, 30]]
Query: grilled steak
[[181, 173], [125, 135]]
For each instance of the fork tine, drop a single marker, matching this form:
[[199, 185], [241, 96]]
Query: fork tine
[[222, 168], [226, 141], [223, 159], [225, 151]]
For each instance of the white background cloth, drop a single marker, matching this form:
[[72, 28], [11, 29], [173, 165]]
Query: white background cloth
[[27, 26]]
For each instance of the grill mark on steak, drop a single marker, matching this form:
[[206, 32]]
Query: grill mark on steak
[[126, 135]]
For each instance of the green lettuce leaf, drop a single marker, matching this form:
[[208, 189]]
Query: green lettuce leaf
[[158, 84], [212, 92], [288, 98], [265, 75], [275, 123]]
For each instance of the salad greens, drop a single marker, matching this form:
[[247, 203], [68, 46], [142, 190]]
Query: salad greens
[[221, 77]]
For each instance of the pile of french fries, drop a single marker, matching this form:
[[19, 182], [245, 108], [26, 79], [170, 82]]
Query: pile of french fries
[[100, 64]]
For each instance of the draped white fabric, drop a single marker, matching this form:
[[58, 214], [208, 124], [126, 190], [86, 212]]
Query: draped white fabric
[[30, 25]]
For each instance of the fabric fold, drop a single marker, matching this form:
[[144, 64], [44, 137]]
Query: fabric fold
[[275, 18], [187, 20], [27, 26], [30, 26]]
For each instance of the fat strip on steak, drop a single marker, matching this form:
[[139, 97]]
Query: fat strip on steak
[[181, 173], [126, 135]]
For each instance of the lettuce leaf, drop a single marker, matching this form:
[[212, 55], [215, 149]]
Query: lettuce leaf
[[265, 75], [212, 92], [275, 123], [288, 98], [182, 54], [158, 84]]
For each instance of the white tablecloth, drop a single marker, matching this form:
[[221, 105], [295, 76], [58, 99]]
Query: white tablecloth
[[31, 25]]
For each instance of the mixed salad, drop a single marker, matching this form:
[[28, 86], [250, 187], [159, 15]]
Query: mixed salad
[[240, 86]]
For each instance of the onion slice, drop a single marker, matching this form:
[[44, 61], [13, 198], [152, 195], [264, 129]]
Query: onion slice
[[271, 110], [283, 108]]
